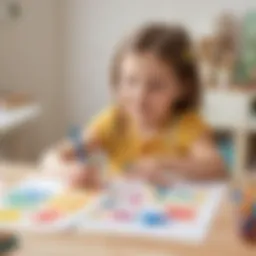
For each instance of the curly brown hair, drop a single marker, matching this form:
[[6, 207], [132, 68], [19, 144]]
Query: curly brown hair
[[173, 46]]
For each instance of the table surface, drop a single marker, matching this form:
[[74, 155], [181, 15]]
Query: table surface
[[222, 239]]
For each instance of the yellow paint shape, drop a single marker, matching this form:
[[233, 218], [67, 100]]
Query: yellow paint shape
[[200, 197], [69, 202], [9, 215], [82, 192]]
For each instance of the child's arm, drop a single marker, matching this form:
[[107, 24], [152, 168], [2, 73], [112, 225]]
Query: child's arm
[[63, 162], [96, 139], [203, 163], [91, 144]]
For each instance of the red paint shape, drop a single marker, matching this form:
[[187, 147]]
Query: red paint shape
[[122, 215], [181, 213], [48, 215], [136, 199]]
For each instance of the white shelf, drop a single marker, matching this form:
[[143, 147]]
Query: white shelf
[[10, 119], [229, 110]]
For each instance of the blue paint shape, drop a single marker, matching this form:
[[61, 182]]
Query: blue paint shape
[[35, 195], [26, 197], [154, 219]]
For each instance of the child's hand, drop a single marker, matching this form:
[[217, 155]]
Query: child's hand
[[66, 151], [62, 163], [151, 170], [147, 169], [84, 176]]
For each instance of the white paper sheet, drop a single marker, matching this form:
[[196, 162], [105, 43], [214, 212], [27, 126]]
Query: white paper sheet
[[193, 231]]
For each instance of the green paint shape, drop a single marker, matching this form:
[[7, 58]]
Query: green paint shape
[[19, 200]]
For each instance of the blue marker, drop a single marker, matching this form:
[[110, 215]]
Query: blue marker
[[77, 140]]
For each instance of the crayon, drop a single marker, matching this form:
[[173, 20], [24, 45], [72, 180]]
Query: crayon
[[77, 141]]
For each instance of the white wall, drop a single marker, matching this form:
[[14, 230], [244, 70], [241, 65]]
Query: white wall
[[32, 51], [30, 61], [94, 26]]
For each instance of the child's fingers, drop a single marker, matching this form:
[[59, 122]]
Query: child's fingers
[[148, 168], [66, 151], [84, 176]]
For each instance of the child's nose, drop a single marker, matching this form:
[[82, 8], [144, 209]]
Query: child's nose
[[142, 96]]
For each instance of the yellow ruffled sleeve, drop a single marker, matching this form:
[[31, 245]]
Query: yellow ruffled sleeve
[[190, 128], [103, 126]]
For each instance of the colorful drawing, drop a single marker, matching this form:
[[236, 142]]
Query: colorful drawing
[[176, 204], [43, 204], [26, 197], [62, 210], [63, 205], [30, 194], [181, 212], [17, 203]]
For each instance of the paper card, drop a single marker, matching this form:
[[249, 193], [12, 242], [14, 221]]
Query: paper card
[[62, 211], [17, 202], [182, 213]]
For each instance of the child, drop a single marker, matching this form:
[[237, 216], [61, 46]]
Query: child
[[153, 125]]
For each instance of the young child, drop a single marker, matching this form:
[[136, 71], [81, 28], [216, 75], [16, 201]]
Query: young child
[[153, 125]]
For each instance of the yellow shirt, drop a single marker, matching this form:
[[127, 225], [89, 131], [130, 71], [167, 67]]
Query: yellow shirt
[[124, 146]]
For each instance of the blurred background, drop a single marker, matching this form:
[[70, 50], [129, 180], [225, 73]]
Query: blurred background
[[54, 58]]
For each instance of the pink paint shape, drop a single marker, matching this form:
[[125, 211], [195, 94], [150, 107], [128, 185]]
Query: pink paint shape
[[181, 213], [47, 216], [136, 199], [122, 215]]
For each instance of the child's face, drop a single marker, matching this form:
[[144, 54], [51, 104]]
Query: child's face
[[147, 89]]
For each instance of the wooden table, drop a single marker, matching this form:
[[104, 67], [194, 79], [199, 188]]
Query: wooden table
[[222, 239]]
